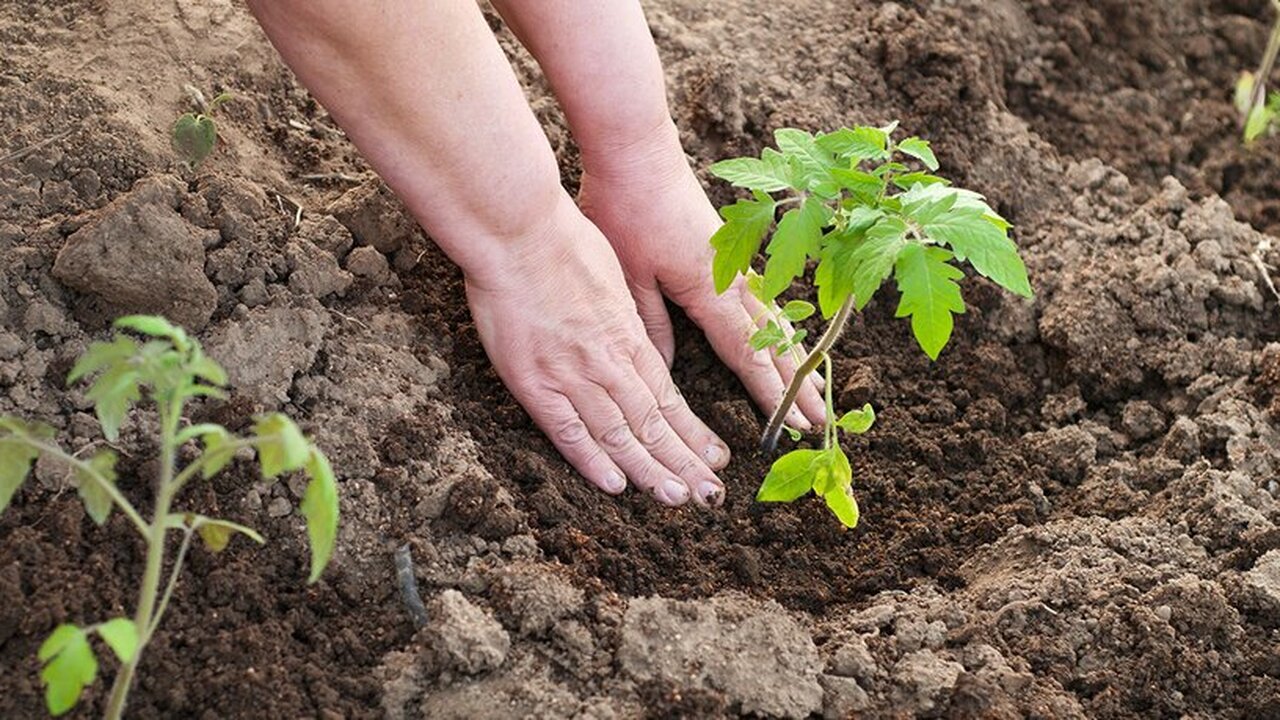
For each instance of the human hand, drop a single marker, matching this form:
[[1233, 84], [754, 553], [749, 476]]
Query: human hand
[[555, 317], [649, 204]]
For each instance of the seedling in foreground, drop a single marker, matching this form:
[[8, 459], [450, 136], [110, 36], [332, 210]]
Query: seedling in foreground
[[862, 215], [1258, 111], [195, 134], [173, 369]]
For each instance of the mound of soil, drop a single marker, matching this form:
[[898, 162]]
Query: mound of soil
[[1072, 514]]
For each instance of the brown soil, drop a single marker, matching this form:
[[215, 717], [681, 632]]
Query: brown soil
[[1072, 514]]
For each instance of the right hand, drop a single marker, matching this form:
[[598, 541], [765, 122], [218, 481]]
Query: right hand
[[556, 319]]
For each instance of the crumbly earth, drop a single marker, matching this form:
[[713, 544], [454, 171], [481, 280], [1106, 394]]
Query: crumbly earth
[[1073, 513]]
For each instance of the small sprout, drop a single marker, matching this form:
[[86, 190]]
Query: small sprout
[[171, 368], [195, 134], [856, 207], [1260, 112]]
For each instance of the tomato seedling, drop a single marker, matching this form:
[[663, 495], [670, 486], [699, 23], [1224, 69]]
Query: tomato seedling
[[172, 368], [1259, 111], [195, 134], [863, 214]]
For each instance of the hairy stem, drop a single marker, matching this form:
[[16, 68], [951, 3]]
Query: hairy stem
[[110, 489], [830, 427], [1268, 62], [769, 442], [145, 618]]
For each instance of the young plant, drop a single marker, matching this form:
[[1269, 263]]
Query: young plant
[[1259, 111], [172, 368], [195, 134], [853, 206]]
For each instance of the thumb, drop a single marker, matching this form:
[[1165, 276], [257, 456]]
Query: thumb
[[657, 323]]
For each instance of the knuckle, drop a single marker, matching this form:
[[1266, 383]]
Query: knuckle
[[616, 438], [652, 426], [570, 431]]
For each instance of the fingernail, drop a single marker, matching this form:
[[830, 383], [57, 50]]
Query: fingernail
[[712, 494], [715, 455], [676, 492], [614, 483]]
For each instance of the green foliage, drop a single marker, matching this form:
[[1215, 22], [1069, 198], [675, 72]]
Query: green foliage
[[859, 208], [170, 368], [195, 134], [1260, 117]]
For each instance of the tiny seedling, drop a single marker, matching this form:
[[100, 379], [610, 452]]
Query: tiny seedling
[[1260, 112], [195, 134], [853, 206], [173, 369]]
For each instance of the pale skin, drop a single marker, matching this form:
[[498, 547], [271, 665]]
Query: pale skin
[[567, 296]]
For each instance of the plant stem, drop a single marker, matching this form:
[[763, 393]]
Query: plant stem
[[145, 617], [1268, 62], [112, 491], [830, 427], [769, 442]]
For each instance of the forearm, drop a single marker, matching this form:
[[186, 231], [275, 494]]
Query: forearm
[[604, 68], [425, 93]]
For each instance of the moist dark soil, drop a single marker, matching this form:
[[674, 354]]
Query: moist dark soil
[[1072, 514]]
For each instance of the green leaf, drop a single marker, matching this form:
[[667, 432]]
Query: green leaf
[[1244, 93], [216, 533], [793, 341], [69, 667], [193, 137], [89, 483], [218, 451], [755, 284], [281, 445], [1258, 121], [797, 310], [115, 390], [863, 184], [857, 421], [767, 336], [925, 203], [815, 161], [208, 369], [769, 173], [16, 457], [831, 471], [320, 508], [930, 295], [793, 433], [155, 326], [909, 180], [103, 354], [974, 237], [843, 505], [738, 240], [790, 477], [872, 261], [834, 276], [856, 144], [920, 150], [121, 635], [798, 236]]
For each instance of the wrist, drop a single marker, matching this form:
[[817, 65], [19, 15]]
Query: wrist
[[521, 255], [653, 148]]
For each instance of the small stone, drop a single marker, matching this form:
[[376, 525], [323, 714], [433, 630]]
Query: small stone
[[854, 660], [462, 636], [366, 262], [279, 507], [1164, 612], [1141, 420], [842, 697]]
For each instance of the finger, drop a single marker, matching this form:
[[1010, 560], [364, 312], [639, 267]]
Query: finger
[[729, 327], [608, 425], [690, 428], [657, 321], [556, 416]]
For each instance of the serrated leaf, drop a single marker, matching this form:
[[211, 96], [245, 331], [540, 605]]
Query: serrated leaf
[[930, 295], [831, 471], [793, 341], [926, 203], [798, 236], [856, 144], [909, 180], [797, 310], [89, 484], [155, 326], [69, 667], [218, 451], [815, 161], [920, 150], [843, 505], [193, 137], [857, 421], [16, 458], [216, 533], [320, 508], [281, 445], [769, 173], [101, 355], [873, 259], [790, 477], [974, 237], [115, 390], [834, 275], [767, 336], [863, 184], [738, 240], [755, 284], [121, 635]]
